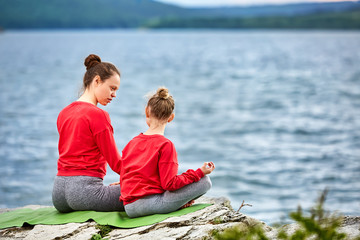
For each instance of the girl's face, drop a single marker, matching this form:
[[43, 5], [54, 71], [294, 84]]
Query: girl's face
[[106, 91]]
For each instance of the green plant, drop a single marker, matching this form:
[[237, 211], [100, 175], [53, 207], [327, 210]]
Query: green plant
[[97, 237], [318, 225], [104, 230], [217, 220], [321, 225], [235, 233]]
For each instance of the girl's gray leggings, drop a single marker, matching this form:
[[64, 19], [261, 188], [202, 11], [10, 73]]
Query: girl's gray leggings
[[79, 193], [168, 201]]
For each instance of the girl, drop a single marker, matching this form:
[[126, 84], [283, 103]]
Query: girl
[[86, 145], [148, 177]]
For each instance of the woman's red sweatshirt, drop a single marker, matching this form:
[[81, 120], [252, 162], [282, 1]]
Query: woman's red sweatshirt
[[86, 141]]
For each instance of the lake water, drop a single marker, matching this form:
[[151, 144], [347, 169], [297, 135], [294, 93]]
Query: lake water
[[278, 112]]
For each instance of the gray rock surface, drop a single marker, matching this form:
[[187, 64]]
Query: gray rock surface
[[196, 225]]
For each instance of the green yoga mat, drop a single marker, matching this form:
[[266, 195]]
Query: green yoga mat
[[50, 216]]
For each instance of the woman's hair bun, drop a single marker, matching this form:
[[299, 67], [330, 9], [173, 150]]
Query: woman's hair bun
[[91, 61], [163, 93]]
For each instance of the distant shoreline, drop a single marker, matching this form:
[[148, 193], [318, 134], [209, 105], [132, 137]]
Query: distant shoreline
[[176, 29], [129, 14]]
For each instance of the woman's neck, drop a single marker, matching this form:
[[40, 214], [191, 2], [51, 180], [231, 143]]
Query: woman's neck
[[87, 97]]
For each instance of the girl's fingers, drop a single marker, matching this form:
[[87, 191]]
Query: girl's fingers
[[212, 165], [208, 167]]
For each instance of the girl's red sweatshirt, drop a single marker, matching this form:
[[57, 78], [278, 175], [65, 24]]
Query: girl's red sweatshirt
[[149, 166]]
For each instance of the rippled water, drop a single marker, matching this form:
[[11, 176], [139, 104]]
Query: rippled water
[[277, 111]]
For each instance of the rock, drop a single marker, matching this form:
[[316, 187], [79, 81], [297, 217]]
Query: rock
[[196, 225], [351, 226]]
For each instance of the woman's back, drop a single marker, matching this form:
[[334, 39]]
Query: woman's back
[[79, 153]]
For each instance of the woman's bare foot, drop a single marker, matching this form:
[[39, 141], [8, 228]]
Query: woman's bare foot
[[188, 204]]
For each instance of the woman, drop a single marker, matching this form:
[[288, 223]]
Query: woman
[[86, 145]]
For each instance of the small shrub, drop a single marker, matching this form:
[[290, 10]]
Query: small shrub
[[97, 237], [217, 220], [319, 225], [235, 233], [104, 230]]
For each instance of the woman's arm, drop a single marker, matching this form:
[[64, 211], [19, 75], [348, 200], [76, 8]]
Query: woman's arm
[[106, 143]]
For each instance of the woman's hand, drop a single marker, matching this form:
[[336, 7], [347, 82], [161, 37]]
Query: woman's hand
[[207, 168], [115, 183]]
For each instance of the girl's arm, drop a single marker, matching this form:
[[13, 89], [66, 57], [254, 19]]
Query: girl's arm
[[168, 168]]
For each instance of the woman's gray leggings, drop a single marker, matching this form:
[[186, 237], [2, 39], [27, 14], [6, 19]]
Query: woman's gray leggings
[[80, 193], [168, 201]]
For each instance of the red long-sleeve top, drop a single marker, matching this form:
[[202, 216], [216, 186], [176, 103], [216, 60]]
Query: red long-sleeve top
[[149, 166], [86, 141]]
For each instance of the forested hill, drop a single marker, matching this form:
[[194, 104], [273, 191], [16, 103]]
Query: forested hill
[[82, 13], [25, 14], [293, 9]]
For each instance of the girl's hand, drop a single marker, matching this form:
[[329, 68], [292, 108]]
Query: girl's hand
[[207, 168], [115, 183]]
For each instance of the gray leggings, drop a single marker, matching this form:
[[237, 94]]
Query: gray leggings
[[168, 201], [80, 193]]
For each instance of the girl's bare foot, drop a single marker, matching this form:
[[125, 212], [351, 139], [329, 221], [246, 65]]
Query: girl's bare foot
[[188, 204]]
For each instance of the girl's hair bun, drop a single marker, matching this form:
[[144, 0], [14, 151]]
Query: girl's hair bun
[[161, 104], [163, 93], [91, 61]]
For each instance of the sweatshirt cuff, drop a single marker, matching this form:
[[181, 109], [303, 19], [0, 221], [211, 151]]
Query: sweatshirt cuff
[[199, 173]]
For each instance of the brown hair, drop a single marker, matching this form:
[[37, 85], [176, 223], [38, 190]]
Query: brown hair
[[94, 67], [161, 104]]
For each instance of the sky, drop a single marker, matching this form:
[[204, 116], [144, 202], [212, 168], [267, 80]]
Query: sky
[[213, 3]]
